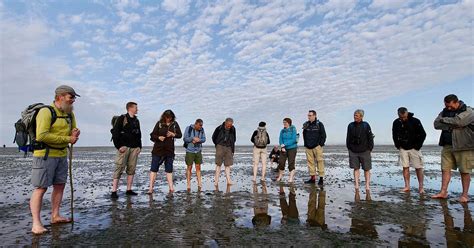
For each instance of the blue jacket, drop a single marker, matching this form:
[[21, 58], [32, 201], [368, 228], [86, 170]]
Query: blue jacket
[[188, 138], [288, 137]]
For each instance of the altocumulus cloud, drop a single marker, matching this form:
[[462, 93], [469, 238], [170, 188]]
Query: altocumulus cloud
[[213, 59]]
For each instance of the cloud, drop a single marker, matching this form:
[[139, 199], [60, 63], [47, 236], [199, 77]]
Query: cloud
[[126, 21], [178, 7]]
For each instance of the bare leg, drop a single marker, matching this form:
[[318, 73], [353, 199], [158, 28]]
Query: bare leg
[[129, 182], [466, 181], [446, 177], [292, 176], [188, 177], [419, 175], [198, 175], [56, 198], [115, 185], [356, 178], [280, 175], [35, 206], [255, 170], [169, 178], [264, 166], [152, 182], [227, 175], [406, 178], [367, 180], [218, 173]]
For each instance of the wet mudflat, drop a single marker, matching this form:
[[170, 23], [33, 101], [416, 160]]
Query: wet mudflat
[[265, 214]]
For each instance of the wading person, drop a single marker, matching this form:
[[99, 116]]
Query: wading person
[[260, 140], [456, 123], [127, 139], [314, 136], [224, 139], [360, 142], [288, 143], [164, 133], [194, 137], [50, 166], [408, 136]]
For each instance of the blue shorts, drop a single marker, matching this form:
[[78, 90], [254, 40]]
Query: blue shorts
[[156, 161]]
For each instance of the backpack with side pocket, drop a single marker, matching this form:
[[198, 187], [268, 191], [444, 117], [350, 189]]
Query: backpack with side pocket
[[25, 129], [261, 139], [114, 121]]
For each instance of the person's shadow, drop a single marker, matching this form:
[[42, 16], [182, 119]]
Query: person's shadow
[[359, 224], [455, 237], [289, 210], [316, 208], [260, 209]]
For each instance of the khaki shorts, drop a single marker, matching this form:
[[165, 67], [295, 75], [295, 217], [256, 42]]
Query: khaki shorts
[[462, 160], [224, 155], [259, 154], [410, 157], [126, 161]]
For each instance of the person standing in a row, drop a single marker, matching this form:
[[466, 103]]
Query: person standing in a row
[[360, 143], [457, 139], [314, 136], [408, 136], [224, 139], [289, 148], [260, 140], [194, 137], [127, 139], [165, 132]]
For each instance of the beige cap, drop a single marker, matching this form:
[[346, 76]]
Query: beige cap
[[64, 89]]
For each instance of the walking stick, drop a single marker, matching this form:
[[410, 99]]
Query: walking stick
[[70, 181]]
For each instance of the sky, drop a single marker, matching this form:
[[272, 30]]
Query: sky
[[250, 60]]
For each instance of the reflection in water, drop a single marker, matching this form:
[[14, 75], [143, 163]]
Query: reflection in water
[[289, 210], [260, 209], [359, 225], [414, 231], [455, 237], [316, 206]]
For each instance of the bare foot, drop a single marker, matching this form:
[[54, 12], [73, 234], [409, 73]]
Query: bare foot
[[171, 190], [188, 189], [463, 199], [367, 189], [406, 189], [356, 187], [38, 230], [440, 196], [421, 191], [60, 220], [216, 184], [254, 179], [230, 183], [149, 192], [199, 188]]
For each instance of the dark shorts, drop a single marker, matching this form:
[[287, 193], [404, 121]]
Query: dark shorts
[[157, 161], [48, 172], [224, 155], [360, 159], [191, 158], [289, 155]]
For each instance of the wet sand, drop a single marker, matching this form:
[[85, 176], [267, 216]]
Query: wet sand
[[265, 214]]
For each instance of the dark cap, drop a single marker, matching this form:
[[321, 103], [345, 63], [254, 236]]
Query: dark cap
[[64, 89]]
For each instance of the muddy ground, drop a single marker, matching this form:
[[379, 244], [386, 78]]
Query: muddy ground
[[265, 214]]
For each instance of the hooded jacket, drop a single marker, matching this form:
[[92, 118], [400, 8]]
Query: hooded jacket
[[165, 147], [359, 137], [128, 135], [224, 137], [408, 134], [288, 137], [314, 134], [457, 125]]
